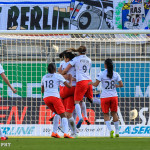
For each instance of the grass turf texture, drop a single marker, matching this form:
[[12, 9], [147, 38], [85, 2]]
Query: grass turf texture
[[77, 144]]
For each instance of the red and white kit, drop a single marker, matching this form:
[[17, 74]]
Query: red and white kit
[[82, 66], [67, 94], [109, 96], [51, 82]]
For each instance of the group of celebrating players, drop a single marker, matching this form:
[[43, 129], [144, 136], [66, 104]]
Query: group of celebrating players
[[74, 82], [64, 92]]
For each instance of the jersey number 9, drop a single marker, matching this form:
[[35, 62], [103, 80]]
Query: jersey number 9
[[84, 68]]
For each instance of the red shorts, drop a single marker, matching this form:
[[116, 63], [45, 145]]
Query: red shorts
[[69, 104], [66, 92], [109, 103], [55, 104], [83, 89]]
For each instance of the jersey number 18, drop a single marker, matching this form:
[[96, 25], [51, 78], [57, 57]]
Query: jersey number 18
[[51, 84]]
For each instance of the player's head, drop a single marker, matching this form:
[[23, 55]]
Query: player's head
[[51, 68], [109, 66], [61, 55], [68, 56], [81, 50]]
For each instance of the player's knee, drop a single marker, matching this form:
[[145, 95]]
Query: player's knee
[[63, 115]]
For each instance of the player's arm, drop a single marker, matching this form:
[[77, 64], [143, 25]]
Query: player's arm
[[42, 88], [96, 83], [60, 70], [66, 69], [119, 80], [120, 84], [7, 82]]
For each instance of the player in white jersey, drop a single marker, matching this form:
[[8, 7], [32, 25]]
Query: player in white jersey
[[109, 96], [49, 86], [82, 65], [3, 137]]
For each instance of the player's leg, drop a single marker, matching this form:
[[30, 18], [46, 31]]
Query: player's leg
[[60, 109], [52, 117], [55, 125], [105, 105], [80, 91], [114, 107], [56, 118], [69, 110], [89, 95], [83, 110]]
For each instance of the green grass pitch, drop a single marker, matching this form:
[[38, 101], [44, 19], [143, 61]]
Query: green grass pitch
[[77, 144]]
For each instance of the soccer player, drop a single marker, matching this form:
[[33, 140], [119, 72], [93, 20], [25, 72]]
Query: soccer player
[[49, 86], [109, 97], [3, 137], [82, 65], [67, 94]]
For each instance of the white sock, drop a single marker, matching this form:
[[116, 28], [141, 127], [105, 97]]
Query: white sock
[[74, 115], [65, 125], [72, 125], [116, 127], [56, 123], [96, 101], [108, 125], [78, 110], [83, 108], [1, 133]]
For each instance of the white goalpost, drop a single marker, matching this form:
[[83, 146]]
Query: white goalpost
[[25, 55]]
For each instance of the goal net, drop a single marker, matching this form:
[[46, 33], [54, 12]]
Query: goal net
[[25, 56]]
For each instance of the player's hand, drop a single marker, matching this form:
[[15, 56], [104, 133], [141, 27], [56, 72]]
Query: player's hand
[[90, 83], [14, 90], [69, 77], [117, 85]]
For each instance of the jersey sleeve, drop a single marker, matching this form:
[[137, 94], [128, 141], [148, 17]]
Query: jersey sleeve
[[99, 77], [1, 69], [61, 64], [118, 78], [61, 78], [73, 61], [42, 82]]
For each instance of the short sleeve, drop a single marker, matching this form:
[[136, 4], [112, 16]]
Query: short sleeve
[[42, 82], [73, 61], [1, 69], [118, 78], [99, 77], [61, 63], [61, 78]]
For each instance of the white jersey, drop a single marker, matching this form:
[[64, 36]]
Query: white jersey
[[82, 65], [108, 85], [71, 71], [51, 83], [1, 69]]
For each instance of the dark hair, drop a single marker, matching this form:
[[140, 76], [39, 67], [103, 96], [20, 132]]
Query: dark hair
[[81, 50], [51, 68], [109, 63], [69, 55], [61, 55]]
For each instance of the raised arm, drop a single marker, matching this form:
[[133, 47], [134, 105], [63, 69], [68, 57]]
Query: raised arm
[[96, 83], [7, 82]]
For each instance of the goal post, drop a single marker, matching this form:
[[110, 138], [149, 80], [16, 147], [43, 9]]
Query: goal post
[[25, 55]]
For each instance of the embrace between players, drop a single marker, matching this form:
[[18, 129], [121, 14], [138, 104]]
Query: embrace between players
[[74, 82]]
